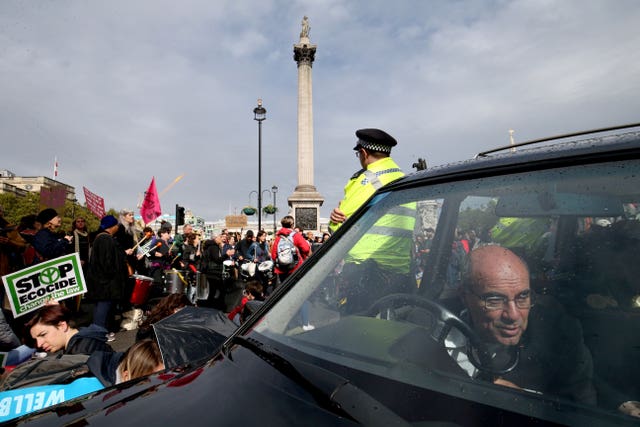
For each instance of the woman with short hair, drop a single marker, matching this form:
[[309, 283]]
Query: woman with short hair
[[53, 331]]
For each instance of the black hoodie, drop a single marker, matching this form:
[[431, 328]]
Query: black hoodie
[[87, 340]]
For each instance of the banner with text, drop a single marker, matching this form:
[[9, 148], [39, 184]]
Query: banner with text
[[95, 203], [32, 287], [14, 403]]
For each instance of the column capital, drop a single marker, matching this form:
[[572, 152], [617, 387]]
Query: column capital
[[304, 53]]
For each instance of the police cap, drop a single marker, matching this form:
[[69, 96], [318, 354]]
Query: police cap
[[374, 140]]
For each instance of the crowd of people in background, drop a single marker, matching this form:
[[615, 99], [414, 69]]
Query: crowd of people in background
[[241, 269]]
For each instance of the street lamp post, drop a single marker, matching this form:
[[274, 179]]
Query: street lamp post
[[274, 190], [259, 114]]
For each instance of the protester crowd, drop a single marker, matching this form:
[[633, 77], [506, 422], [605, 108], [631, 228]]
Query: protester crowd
[[240, 271]]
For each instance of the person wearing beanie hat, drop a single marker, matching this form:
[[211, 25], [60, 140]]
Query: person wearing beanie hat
[[107, 222], [46, 215], [47, 241], [373, 150], [108, 273]]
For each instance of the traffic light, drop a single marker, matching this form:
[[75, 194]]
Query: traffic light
[[179, 215]]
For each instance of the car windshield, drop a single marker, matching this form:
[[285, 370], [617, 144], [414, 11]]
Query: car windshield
[[516, 292]]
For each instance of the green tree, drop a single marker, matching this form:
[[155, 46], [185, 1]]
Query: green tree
[[16, 207]]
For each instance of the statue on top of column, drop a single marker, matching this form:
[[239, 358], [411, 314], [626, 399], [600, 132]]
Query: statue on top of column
[[305, 27]]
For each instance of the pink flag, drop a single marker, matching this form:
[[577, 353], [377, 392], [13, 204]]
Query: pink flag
[[150, 208], [95, 203]]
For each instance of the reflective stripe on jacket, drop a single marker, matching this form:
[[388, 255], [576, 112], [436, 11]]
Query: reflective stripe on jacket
[[361, 186], [389, 242]]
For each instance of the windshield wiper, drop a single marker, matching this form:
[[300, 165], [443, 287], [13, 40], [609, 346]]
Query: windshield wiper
[[332, 392]]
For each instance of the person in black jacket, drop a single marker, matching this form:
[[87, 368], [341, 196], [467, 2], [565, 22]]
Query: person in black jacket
[[211, 265], [108, 273], [47, 240], [52, 330]]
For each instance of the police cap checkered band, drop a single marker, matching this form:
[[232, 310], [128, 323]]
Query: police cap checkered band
[[374, 140]]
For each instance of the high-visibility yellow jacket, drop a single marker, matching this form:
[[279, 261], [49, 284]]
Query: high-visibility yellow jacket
[[364, 183], [389, 242]]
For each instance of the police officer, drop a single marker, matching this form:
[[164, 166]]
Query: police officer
[[389, 246], [373, 150]]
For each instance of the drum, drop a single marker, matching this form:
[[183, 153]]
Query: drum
[[228, 268], [265, 266], [202, 286], [175, 281], [141, 289], [266, 269], [248, 269]]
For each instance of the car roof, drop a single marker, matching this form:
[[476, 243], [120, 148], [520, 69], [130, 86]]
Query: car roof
[[595, 148]]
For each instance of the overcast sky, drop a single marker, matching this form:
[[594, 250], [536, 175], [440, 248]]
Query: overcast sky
[[122, 91]]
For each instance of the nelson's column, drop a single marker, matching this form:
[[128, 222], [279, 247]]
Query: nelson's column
[[305, 201]]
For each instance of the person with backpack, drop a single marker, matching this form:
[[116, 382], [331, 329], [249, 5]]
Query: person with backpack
[[288, 252], [289, 249]]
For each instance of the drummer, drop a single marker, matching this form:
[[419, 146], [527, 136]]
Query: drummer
[[190, 252], [259, 250], [160, 256], [147, 241], [260, 253]]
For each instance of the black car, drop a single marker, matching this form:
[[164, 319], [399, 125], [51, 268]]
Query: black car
[[384, 296]]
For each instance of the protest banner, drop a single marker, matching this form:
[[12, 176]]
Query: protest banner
[[14, 403], [30, 288], [94, 203], [53, 197]]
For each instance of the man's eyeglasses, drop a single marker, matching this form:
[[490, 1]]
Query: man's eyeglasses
[[358, 154], [523, 300]]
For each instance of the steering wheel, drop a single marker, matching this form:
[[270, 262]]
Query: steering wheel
[[485, 357]]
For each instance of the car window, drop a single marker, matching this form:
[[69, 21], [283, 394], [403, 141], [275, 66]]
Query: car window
[[408, 294]]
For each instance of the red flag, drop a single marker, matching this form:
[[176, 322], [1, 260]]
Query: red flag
[[150, 208], [95, 203], [55, 168]]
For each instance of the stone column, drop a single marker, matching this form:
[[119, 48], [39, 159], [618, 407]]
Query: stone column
[[305, 200], [304, 54]]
